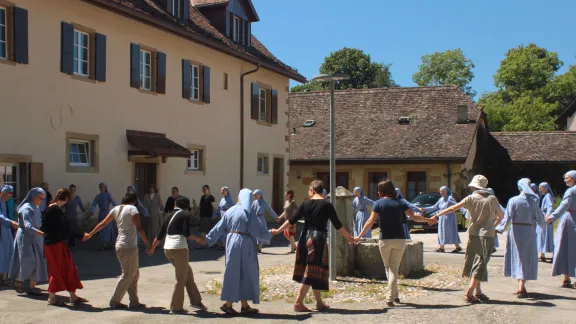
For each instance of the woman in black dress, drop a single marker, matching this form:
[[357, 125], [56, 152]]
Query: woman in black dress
[[311, 268]]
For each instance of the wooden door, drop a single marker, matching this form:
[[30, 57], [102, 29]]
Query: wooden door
[[278, 185], [341, 179], [145, 175]]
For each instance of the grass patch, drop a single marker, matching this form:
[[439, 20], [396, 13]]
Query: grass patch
[[214, 287]]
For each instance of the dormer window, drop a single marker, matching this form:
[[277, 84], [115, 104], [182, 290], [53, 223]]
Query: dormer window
[[239, 29], [236, 31], [179, 9]]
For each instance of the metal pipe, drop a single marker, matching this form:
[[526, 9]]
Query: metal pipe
[[333, 238], [242, 123], [449, 175]]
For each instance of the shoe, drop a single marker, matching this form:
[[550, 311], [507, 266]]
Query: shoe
[[397, 300], [567, 284], [199, 307], [390, 304], [440, 250], [494, 251], [522, 294], [543, 259], [178, 312], [457, 250], [471, 300]]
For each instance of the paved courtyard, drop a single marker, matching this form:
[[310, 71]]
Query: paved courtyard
[[440, 302]]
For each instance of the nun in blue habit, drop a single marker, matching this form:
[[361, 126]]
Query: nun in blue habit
[[545, 235], [28, 261], [103, 200], [447, 226], [565, 239], [226, 202], [260, 207], [534, 188], [413, 207], [521, 256], [243, 229], [6, 237], [360, 205]]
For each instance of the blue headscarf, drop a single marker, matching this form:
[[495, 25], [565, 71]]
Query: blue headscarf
[[325, 194], [245, 198], [571, 174], [263, 203], [105, 186], [546, 186], [360, 191], [7, 188], [448, 191], [399, 193], [491, 191], [228, 197], [524, 186], [131, 187], [33, 193]]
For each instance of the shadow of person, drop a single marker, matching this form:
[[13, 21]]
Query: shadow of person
[[343, 311], [430, 306], [519, 303], [259, 316], [541, 296]]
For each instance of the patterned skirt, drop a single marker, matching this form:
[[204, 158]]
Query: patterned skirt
[[311, 266]]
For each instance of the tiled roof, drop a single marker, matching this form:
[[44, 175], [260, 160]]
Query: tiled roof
[[199, 3], [199, 27], [538, 146], [367, 125]]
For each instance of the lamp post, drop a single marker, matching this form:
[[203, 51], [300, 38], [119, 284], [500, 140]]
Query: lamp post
[[332, 78]]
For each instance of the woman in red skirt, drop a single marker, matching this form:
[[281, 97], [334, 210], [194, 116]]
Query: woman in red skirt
[[63, 275]]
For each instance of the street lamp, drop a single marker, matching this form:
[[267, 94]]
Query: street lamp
[[332, 78]]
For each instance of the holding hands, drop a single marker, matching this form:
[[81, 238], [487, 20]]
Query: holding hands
[[432, 220], [86, 237], [14, 225], [201, 240]]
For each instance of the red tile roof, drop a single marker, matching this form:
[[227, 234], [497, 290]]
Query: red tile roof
[[208, 2], [538, 146], [201, 30], [367, 125]]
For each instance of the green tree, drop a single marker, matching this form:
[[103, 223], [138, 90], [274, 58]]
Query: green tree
[[525, 113], [358, 65], [562, 88], [526, 68], [443, 68]]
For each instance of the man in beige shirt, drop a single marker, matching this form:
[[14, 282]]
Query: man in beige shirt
[[485, 214]]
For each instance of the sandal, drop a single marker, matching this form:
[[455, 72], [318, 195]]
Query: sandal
[[522, 294], [471, 300], [457, 250], [118, 306], [57, 303], [440, 250], [322, 308], [78, 301], [302, 309], [18, 286], [566, 284], [137, 306], [34, 292], [249, 310], [228, 310], [543, 259], [482, 297]]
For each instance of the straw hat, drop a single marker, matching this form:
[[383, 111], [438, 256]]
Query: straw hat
[[479, 182]]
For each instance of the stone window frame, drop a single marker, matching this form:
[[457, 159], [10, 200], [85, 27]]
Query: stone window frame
[[202, 170], [266, 171], [94, 154]]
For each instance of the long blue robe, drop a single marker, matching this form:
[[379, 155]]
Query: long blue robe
[[447, 226], [6, 239], [360, 205], [260, 207], [521, 256], [103, 201], [414, 209], [71, 213], [225, 203], [565, 242], [28, 258], [242, 273], [545, 235]]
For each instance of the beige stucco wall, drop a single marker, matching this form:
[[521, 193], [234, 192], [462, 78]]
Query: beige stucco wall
[[436, 174], [571, 122], [33, 122]]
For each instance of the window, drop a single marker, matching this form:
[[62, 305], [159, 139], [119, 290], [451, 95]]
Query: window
[[263, 164], [341, 179], [373, 179], [194, 162], [236, 30], [262, 114], [225, 81], [145, 70], [8, 176], [3, 33], [416, 183], [175, 5], [81, 50], [80, 153], [195, 82]]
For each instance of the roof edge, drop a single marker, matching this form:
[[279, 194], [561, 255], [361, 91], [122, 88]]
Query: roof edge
[[125, 11], [379, 161]]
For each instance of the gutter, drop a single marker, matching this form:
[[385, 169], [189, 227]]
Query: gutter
[[242, 123], [449, 169], [180, 31]]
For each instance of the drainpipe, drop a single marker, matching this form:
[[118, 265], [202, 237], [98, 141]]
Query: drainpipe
[[242, 123], [449, 175]]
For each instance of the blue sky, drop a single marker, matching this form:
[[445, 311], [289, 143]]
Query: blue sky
[[302, 32]]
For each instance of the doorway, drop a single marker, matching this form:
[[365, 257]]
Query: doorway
[[341, 179], [144, 176], [278, 185]]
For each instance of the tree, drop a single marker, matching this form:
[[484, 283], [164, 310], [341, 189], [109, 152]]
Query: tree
[[526, 68], [358, 65], [443, 68], [562, 88]]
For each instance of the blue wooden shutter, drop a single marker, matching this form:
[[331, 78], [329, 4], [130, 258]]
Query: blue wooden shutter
[[20, 35], [100, 57], [135, 66], [67, 48], [186, 80], [161, 72], [206, 84]]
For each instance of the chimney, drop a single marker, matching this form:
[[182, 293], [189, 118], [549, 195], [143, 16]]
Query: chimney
[[462, 114]]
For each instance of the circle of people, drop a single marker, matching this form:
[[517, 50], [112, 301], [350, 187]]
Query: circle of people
[[40, 250]]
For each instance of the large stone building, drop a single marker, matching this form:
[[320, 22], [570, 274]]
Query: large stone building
[[420, 138], [170, 92]]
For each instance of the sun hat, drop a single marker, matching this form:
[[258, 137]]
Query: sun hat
[[479, 182]]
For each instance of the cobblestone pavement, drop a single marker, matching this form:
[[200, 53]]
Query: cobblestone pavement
[[438, 297]]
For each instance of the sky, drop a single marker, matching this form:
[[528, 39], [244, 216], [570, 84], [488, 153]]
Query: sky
[[302, 33]]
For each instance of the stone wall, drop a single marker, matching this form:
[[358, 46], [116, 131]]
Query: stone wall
[[369, 261]]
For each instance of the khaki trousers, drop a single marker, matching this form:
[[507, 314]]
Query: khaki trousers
[[478, 252], [184, 279], [129, 279], [392, 252]]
